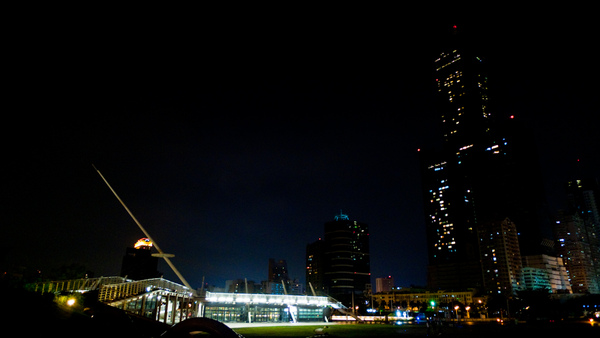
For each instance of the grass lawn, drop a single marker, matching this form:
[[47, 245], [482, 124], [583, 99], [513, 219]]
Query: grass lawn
[[351, 330], [490, 330]]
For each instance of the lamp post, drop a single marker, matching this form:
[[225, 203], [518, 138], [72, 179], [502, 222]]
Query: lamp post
[[468, 308], [456, 312]]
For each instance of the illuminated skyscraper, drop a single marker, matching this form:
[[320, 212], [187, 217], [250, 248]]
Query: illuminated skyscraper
[[574, 247], [485, 171], [347, 256], [577, 232], [500, 257], [340, 264]]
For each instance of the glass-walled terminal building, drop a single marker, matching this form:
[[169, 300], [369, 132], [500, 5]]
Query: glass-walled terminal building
[[253, 308]]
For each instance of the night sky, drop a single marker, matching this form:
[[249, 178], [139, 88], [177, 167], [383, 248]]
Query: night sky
[[233, 141]]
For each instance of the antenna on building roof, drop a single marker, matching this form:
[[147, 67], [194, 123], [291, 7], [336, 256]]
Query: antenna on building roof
[[341, 216]]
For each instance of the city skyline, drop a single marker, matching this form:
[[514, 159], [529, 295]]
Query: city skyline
[[216, 158]]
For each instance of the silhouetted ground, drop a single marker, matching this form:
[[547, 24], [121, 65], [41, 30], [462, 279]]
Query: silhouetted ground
[[26, 314]]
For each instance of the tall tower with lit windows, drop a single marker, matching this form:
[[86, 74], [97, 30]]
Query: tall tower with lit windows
[[340, 264], [485, 171], [577, 234], [347, 256]]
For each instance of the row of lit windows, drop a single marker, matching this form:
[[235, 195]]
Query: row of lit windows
[[451, 80], [443, 55], [437, 165], [456, 59]]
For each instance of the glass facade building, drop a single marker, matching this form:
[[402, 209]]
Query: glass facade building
[[255, 308]]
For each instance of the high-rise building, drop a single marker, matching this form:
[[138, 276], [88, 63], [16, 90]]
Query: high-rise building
[[138, 262], [339, 265], [574, 247], [278, 270], [583, 199], [577, 235], [278, 280], [485, 171], [315, 267], [347, 256], [500, 257], [384, 284]]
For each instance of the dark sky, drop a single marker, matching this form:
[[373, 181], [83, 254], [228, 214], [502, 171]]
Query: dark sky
[[233, 141]]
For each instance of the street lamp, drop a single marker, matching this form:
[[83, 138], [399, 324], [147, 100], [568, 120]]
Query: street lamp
[[468, 308], [456, 312]]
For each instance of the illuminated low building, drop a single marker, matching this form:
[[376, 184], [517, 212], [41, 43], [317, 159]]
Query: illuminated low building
[[419, 299], [254, 308], [543, 272]]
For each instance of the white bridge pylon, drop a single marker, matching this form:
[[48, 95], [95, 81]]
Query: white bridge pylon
[[160, 254]]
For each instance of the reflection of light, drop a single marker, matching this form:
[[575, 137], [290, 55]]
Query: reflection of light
[[71, 302]]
